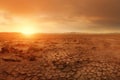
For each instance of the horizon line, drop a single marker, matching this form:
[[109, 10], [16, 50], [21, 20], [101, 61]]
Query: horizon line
[[68, 32]]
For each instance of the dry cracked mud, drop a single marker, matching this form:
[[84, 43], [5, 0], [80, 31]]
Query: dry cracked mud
[[62, 58]]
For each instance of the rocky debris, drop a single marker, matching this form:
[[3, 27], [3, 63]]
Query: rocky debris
[[4, 50], [11, 59]]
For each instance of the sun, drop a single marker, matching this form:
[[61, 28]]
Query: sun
[[27, 27], [28, 30]]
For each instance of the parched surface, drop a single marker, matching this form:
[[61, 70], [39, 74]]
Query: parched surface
[[61, 58]]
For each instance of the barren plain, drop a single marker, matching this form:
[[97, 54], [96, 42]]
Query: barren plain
[[60, 57]]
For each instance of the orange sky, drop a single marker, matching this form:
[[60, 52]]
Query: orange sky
[[60, 15]]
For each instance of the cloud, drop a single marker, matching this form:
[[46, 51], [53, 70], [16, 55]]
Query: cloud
[[72, 15]]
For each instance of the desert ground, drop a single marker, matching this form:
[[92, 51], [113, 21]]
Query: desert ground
[[59, 57]]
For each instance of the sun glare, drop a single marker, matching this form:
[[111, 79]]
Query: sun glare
[[28, 31], [27, 27]]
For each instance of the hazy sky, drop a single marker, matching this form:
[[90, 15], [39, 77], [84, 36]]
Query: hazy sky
[[60, 15]]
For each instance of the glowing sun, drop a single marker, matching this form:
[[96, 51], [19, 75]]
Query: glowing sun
[[28, 30], [27, 27]]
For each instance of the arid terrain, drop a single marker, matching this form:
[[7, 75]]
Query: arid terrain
[[60, 57]]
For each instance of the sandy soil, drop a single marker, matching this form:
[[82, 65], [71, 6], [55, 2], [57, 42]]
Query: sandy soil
[[60, 57]]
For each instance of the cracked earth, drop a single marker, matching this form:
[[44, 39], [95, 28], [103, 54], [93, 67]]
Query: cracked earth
[[61, 57]]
